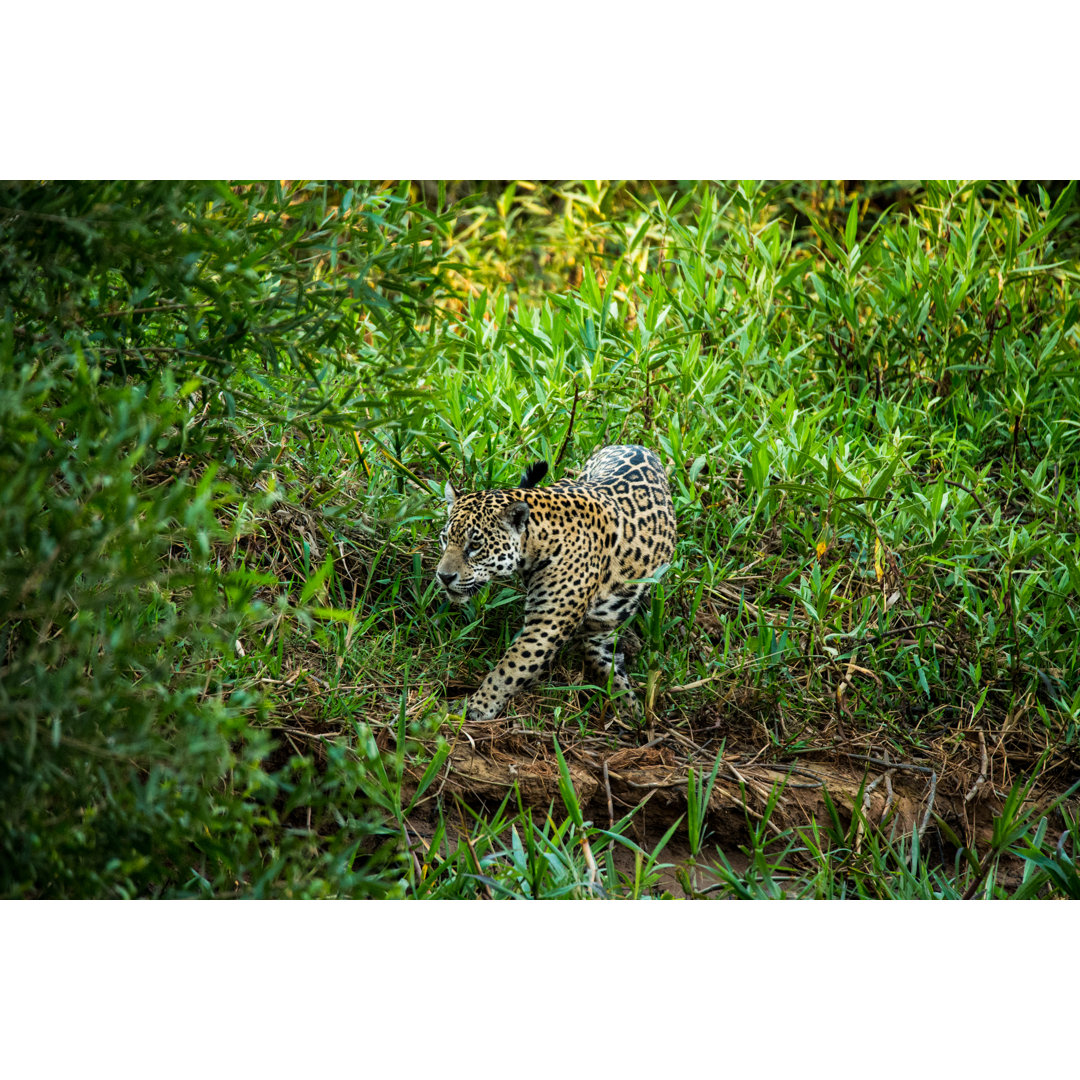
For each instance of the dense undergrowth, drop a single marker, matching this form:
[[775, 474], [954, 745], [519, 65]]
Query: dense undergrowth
[[225, 418]]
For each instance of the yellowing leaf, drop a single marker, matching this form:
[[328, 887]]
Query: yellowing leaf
[[360, 451]]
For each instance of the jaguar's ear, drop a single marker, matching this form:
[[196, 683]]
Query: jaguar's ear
[[516, 516], [449, 494]]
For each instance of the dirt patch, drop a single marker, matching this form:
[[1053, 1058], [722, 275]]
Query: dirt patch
[[944, 795], [948, 784]]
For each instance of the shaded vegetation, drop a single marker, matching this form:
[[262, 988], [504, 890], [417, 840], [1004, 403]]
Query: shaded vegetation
[[226, 413]]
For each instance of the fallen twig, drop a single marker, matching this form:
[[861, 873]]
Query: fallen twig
[[695, 684], [976, 787], [860, 824], [889, 795], [887, 764], [929, 805]]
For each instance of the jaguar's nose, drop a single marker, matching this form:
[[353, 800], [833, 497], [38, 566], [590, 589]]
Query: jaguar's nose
[[447, 579]]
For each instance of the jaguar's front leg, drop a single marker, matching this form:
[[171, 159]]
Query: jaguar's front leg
[[532, 651]]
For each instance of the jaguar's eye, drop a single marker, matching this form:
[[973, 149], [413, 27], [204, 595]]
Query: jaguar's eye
[[470, 550]]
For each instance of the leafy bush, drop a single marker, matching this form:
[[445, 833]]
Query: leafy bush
[[151, 331]]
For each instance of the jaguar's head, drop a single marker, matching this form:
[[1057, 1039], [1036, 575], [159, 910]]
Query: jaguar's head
[[484, 538]]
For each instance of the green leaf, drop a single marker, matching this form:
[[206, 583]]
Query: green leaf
[[851, 228], [317, 582]]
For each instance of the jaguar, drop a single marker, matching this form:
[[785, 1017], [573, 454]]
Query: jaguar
[[582, 547]]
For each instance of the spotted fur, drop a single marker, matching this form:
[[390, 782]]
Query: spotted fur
[[580, 546]]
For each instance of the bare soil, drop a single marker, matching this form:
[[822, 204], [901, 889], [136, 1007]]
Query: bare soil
[[960, 778]]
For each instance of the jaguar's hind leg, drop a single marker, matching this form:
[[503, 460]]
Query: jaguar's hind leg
[[605, 663]]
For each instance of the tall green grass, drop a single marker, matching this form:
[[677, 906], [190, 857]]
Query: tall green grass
[[885, 408]]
